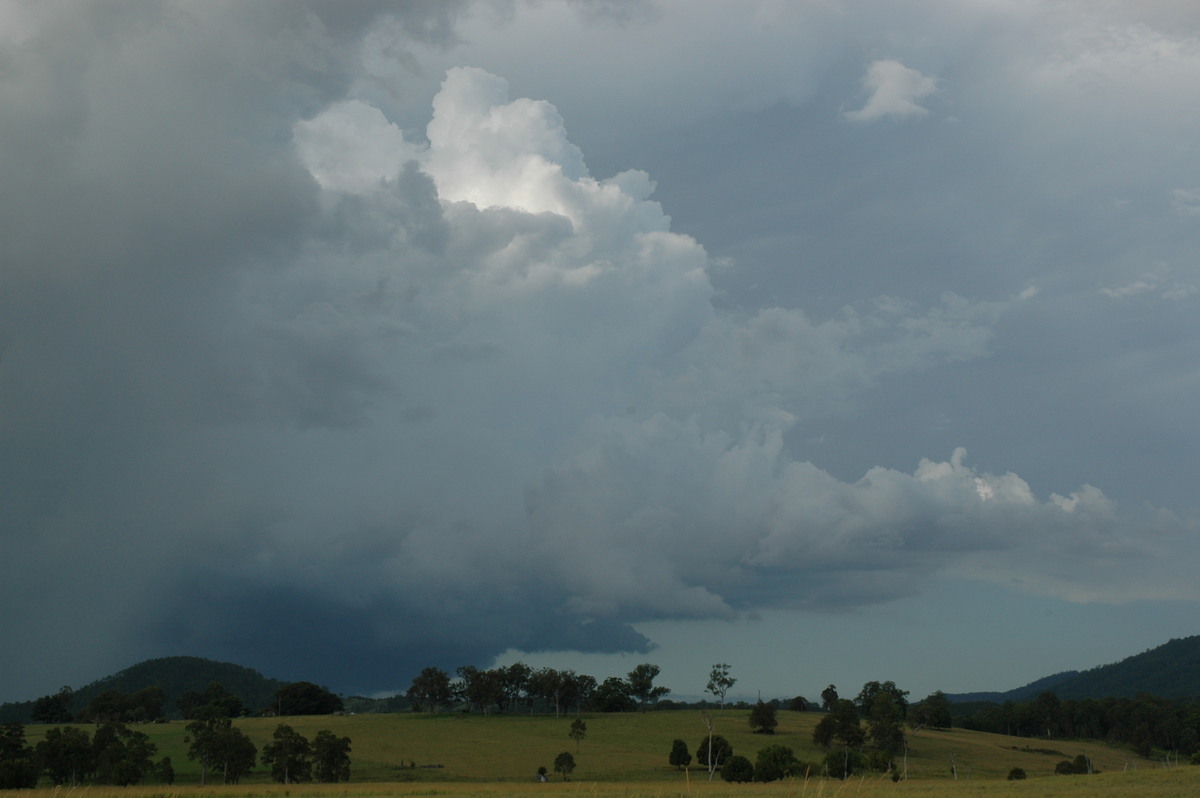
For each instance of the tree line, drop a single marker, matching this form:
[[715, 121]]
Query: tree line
[[518, 687], [149, 704], [1144, 722]]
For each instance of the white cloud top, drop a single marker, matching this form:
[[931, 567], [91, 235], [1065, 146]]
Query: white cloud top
[[895, 90]]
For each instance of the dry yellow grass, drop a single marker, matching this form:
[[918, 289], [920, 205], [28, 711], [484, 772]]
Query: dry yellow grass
[[1174, 783]]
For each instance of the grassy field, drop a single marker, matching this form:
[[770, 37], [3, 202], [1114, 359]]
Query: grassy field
[[626, 754], [1176, 783]]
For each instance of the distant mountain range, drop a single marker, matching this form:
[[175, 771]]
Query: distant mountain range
[[1171, 670]]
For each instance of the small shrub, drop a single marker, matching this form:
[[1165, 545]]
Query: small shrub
[[737, 769], [1065, 768], [843, 763], [1016, 774], [880, 760]]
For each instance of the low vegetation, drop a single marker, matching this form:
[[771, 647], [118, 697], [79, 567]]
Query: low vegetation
[[626, 747]]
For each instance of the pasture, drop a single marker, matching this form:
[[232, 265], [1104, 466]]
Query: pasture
[[626, 754]]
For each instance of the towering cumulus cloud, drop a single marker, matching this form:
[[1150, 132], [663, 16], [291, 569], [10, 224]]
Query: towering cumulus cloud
[[286, 384]]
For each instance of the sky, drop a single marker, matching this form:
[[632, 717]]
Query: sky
[[835, 341]]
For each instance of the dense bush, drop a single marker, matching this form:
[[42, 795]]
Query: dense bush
[[841, 763], [762, 718], [737, 769], [775, 762], [721, 751]]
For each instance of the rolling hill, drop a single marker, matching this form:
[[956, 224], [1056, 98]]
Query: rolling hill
[[176, 676]]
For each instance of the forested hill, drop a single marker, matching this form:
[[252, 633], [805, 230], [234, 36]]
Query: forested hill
[[176, 676], [1024, 693], [1171, 670]]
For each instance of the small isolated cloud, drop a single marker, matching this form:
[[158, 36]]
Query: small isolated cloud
[[1158, 282], [1186, 201], [895, 90]]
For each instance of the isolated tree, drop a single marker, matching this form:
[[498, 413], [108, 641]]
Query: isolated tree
[[331, 757], [289, 754], [564, 763], [762, 718], [578, 732], [18, 763], [680, 756], [799, 704], [829, 697], [775, 762], [641, 684], [430, 690], [737, 769], [719, 682], [306, 698]]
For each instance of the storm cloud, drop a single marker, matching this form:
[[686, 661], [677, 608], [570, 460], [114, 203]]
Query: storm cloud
[[290, 380]]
